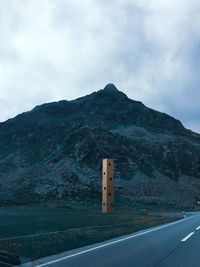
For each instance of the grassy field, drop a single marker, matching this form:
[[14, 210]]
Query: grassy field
[[34, 232]]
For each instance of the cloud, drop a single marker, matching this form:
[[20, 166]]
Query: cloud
[[51, 50]]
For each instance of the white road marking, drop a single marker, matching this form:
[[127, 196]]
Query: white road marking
[[188, 236], [110, 243], [197, 228]]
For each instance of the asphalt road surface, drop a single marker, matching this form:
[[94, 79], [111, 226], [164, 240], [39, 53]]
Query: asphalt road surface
[[174, 244]]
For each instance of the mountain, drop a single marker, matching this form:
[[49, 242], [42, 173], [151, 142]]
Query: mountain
[[55, 152]]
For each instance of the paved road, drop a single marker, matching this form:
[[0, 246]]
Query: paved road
[[172, 245]]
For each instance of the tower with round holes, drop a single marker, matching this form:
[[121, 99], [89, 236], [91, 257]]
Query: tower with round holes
[[108, 186]]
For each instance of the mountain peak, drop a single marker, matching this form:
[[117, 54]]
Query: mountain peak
[[110, 87]]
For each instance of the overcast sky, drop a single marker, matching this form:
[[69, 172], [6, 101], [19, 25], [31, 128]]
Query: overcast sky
[[60, 49]]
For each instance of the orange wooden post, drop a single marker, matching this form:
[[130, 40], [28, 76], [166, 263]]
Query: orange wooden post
[[108, 186]]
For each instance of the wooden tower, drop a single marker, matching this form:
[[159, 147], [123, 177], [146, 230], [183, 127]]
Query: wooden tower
[[108, 186]]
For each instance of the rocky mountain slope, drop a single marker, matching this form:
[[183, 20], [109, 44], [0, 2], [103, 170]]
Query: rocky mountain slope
[[55, 151]]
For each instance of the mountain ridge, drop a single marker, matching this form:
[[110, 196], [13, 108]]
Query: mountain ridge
[[55, 150]]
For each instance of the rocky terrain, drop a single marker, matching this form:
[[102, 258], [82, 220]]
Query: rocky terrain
[[55, 152]]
